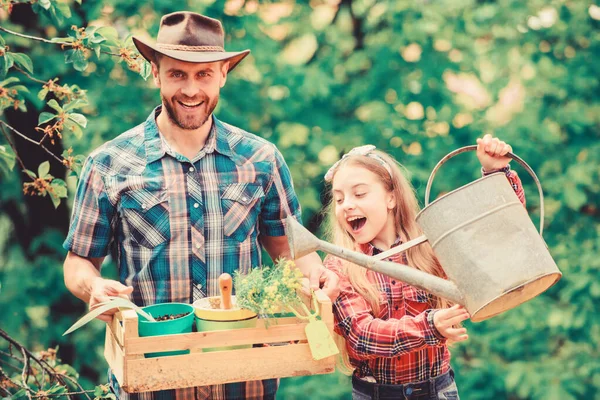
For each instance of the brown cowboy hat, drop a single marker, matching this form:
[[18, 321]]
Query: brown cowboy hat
[[190, 37]]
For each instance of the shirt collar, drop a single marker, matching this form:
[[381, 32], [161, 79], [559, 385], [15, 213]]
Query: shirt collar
[[218, 139], [370, 250]]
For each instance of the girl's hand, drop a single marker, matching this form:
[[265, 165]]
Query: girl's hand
[[444, 320], [492, 153]]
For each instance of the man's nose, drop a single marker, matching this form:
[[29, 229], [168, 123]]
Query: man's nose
[[190, 89]]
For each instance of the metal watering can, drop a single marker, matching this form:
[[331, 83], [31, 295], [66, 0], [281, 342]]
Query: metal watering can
[[481, 234]]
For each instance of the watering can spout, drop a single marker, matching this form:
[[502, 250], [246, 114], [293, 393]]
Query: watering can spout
[[302, 242]]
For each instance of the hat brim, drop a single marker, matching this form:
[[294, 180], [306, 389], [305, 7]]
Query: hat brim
[[148, 50]]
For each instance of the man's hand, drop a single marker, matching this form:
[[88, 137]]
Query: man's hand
[[322, 278], [100, 291], [491, 153], [444, 320]]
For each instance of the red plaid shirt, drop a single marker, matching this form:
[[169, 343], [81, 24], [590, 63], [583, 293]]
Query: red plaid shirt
[[400, 344]]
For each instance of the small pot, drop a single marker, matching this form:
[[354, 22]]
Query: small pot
[[168, 327], [214, 319]]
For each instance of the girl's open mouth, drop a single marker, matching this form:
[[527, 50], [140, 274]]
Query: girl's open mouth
[[356, 223]]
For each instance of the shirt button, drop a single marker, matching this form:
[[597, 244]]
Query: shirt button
[[393, 282], [196, 205], [198, 246], [396, 308], [191, 169], [244, 198], [199, 286], [143, 206]]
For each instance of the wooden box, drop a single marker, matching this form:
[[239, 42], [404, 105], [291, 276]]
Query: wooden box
[[124, 351]]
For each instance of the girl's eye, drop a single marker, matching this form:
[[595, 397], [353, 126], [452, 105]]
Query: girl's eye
[[360, 194], [338, 201]]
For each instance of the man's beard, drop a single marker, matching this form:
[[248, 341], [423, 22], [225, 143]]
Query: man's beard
[[190, 123]]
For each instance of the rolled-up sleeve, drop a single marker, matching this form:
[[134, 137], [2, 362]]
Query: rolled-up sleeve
[[91, 229], [280, 200]]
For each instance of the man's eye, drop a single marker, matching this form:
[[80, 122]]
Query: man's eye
[[177, 74]]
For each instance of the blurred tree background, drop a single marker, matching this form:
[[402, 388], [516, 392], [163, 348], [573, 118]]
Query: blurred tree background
[[416, 78]]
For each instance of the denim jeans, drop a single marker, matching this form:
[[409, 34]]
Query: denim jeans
[[441, 387]]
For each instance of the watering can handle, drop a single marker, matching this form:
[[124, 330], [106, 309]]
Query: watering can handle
[[511, 155]]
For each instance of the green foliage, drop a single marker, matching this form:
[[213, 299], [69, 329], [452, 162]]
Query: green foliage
[[266, 290], [7, 160], [416, 79]]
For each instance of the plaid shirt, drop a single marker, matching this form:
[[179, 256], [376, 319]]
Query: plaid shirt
[[177, 224], [400, 344]]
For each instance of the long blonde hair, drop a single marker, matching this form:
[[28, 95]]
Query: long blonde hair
[[420, 257]]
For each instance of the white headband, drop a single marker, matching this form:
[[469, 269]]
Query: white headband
[[366, 150]]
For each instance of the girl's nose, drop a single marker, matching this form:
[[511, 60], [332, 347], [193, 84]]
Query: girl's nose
[[347, 205]]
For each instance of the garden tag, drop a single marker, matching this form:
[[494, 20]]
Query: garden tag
[[319, 338]]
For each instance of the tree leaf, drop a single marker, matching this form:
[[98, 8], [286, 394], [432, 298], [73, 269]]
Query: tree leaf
[[77, 103], [24, 61], [42, 94], [7, 160], [10, 61], [80, 119], [46, 4], [44, 169], [56, 16], [31, 174], [145, 70], [45, 117], [8, 81], [73, 128], [54, 105], [3, 67], [80, 63], [55, 200], [20, 88], [108, 32], [60, 187], [64, 9]]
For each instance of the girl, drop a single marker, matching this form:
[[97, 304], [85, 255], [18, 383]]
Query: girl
[[394, 335]]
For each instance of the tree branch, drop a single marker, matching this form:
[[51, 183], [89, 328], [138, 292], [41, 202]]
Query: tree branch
[[56, 376], [29, 76], [11, 144], [25, 377], [31, 37], [28, 139], [70, 44]]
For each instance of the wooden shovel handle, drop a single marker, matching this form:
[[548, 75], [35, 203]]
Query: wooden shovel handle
[[225, 285]]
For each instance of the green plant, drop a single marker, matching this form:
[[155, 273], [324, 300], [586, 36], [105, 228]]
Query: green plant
[[267, 290]]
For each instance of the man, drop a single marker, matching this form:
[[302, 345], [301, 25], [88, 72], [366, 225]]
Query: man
[[183, 196]]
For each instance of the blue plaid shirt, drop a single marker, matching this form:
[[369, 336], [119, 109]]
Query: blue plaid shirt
[[177, 224]]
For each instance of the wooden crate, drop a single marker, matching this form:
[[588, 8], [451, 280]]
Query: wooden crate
[[124, 352]]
